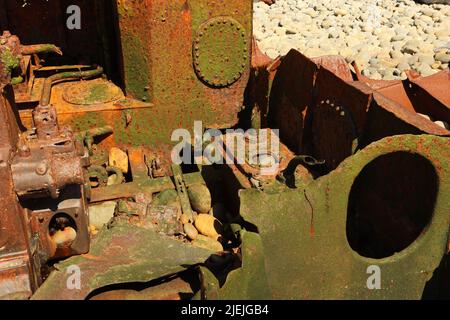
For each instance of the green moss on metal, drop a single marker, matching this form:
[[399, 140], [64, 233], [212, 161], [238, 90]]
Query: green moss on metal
[[9, 60], [16, 80], [98, 92], [314, 219], [137, 74], [221, 51], [88, 121]]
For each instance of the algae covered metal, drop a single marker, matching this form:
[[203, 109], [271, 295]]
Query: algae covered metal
[[112, 190]]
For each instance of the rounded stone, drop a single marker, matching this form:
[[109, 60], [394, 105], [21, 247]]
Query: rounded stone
[[209, 226], [200, 197], [190, 231]]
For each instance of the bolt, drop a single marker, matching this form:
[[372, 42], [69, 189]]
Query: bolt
[[41, 168], [24, 150]]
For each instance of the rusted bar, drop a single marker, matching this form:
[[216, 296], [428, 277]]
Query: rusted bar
[[40, 48], [129, 190]]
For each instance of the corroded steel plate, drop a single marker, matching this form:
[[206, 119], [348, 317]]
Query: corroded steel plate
[[92, 92], [220, 51]]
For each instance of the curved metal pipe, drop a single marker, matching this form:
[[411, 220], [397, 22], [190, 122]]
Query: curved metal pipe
[[47, 89]]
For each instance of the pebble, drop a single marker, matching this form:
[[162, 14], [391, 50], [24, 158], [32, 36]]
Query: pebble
[[208, 225], [100, 214], [442, 57], [409, 32], [200, 198], [119, 159], [190, 231], [63, 238]]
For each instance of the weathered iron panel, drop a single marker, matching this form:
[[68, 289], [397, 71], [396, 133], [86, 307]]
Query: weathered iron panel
[[309, 232], [122, 254], [157, 43]]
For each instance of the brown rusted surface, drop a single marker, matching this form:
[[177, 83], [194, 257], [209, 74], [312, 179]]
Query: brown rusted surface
[[290, 98], [48, 218], [436, 85], [430, 95], [338, 117], [336, 64], [321, 111], [426, 95], [259, 59], [16, 269], [49, 158]]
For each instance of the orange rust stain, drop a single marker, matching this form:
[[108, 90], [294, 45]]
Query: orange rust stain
[[186, 14], [91, 257]]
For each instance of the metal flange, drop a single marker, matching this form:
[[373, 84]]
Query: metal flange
[[220, 51]]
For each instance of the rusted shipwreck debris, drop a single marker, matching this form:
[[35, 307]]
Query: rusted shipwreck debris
[[88, 182]]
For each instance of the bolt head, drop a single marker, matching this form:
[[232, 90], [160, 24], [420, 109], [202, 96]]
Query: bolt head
[[41, 168]]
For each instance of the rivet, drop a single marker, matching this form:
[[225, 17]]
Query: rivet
[[41, 168]]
